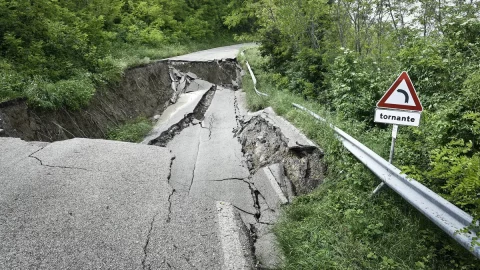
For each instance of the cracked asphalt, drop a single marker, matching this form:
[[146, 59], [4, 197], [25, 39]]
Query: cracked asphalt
[[79, 204], [209, 165], [189, 200]]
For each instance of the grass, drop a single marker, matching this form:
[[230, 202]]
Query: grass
[[339, 226], [134, 131]]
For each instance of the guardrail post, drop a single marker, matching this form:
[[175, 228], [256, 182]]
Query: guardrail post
[[390, 159]]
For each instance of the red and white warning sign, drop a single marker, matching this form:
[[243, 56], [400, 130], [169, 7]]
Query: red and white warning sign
[[400, 104], [401, 96]]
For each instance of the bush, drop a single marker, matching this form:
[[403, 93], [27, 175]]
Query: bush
[[46, 45], [355, 85], [339, 225], [11, 83], [71, 94]]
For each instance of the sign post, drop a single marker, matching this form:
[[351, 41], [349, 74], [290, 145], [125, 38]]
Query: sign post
[[398, 106]]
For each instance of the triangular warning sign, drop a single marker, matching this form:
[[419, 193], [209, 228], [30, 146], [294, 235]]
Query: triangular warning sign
[[401, 96]]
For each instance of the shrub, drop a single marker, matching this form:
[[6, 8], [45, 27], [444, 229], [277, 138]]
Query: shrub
[[355, 85], [72, 93]]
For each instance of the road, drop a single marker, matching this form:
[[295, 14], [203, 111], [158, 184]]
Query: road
[[227, 52], [183, 199], [79, 203]]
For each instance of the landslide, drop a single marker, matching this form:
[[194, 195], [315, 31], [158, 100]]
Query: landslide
[[143, 91], [264, 144]]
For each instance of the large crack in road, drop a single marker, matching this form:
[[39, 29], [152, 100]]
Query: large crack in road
[[192, 118], [202, 192], [222, 153]]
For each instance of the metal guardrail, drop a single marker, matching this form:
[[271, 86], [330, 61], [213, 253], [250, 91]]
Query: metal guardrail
[[444, 214], [254, 79]]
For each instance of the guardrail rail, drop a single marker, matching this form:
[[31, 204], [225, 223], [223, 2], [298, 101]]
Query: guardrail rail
[[444, 214]]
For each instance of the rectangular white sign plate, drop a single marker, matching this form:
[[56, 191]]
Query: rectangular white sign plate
[[404, 118]]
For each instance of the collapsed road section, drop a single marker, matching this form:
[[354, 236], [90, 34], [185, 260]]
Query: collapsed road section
[[255, 162], [143, 91], [269, 139], [202, 191]]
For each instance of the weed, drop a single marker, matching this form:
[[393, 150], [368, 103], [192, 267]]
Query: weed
[[133, 131]]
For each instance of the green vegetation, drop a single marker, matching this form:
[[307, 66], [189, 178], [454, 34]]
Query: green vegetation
[[339, 226], [341, 56], [57, 53], [344, 55], [335, 57], [133, 131]]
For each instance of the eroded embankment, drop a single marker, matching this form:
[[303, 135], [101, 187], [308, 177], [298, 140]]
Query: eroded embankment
[[219, 151], [226, 73], [264, 144], [143, 91]]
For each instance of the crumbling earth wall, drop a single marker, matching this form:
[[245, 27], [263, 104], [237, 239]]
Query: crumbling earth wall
[[226, 72], [264, 144], [143, 91]]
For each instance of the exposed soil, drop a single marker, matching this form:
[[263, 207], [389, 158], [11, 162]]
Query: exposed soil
[[143, 91], [224, 73], [264, 144], [147, 91]]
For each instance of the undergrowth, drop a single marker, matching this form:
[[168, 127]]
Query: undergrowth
[[339, 226], [133, 131], [77, 90]]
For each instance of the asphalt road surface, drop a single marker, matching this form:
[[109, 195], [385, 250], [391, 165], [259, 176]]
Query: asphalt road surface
[[97, 204]]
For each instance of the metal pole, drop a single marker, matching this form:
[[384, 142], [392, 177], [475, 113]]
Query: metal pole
[[390, 159], [392, 148]]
